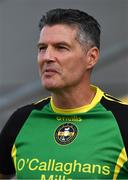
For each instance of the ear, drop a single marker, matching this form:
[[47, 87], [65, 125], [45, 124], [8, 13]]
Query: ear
[[93, 56]]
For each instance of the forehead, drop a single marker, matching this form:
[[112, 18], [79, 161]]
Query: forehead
[[57, 33]]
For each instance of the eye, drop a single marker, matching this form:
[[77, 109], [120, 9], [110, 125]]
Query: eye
[[62, 48], [42, 48]]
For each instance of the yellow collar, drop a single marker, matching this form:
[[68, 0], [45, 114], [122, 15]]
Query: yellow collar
[[81, 109]]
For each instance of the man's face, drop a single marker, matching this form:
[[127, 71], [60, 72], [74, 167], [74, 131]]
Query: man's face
[[63, 63]]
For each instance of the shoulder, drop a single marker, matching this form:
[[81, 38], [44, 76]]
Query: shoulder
[[18, 118], [120, 111], [114, 104], [118, 108], [10, 132]]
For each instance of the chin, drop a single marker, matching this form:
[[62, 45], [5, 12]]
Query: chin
[[49, 87], [54, 89], [52, 85]]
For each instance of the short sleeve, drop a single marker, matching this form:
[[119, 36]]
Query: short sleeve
[[8, 136]]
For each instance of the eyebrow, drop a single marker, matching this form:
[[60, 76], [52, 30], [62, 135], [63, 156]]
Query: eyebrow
[[55, 44], [40, 44]]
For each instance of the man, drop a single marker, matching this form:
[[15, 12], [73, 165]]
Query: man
[[79, 132]]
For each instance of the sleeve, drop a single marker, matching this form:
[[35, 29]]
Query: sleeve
[[8, 136], [120, 111]]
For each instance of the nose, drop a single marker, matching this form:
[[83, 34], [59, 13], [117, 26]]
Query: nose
[[49, 54]]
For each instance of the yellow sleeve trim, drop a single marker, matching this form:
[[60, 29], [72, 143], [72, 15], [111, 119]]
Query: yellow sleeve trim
[[120, 162], [125, 99], [82, 109], [119, 100], [13, 154], [42, 100]]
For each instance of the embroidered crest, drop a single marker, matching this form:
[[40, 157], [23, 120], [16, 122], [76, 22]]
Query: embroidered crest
[[65, 133]]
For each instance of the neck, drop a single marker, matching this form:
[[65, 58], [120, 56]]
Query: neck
[[73, 98]]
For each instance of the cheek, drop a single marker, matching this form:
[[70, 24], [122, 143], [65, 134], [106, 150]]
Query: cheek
[[39, 63], [76, 65], [39, 60]]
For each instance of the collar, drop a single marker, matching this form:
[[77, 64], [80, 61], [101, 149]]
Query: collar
[[82, 109]]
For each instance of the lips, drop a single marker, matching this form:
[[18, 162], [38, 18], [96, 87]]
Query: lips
[[49, 72]]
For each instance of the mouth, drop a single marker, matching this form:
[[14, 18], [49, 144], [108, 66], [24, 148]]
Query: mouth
[[49, 72]]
